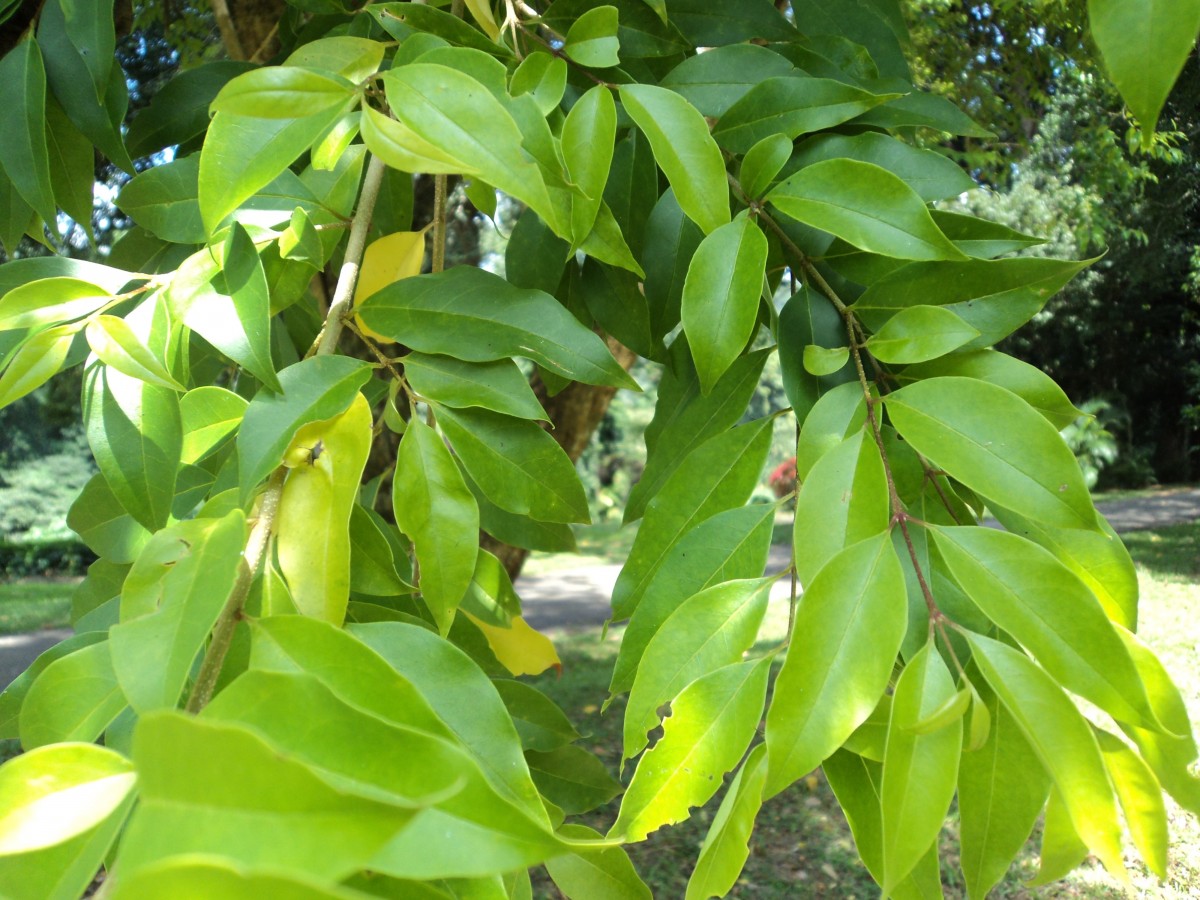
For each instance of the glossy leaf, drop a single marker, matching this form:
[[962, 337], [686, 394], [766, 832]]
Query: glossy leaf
[[165, 200], [518, 466], [13, 695], [920, 333], [808, 319], [402, 149], [1002, 788], [179, 111], [401, 19], [1062, 740], [684, 150], [995, 444], [587, 145], [595, 874], [592, 40], [170, 602], [842, 501], [847, 632], [730, 545], [498, 385], [1144, 46], [1033, 597], [209, 415], [476, 316], [708, 630], [716, 79], [1141, 799], [821, 361], [116, 345], [711, 724], [865, 205], [720, 296], [544, 76], [48, 301], [312, 531], [763, 162], [23, 149], [919, 770], [74, 699], [719, 474], [373, 569], [282, 92], [929, 173], [36, 361], [192, 879], [136, 434], [1062, 848], [104, 525], [314, 389], [726, 846], [791, 106]]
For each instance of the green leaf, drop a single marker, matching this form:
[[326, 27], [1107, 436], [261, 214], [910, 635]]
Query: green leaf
[[283, 92], [117, 345], [791, 106], [540, 723], [72, 165], [684, 150], [821, 361], [74, 699], [845, 638], [718, 475], [587, 148], [176, 878], [24, 153], [684, 418], [498, 386], [402, 19], [17, 272], [104, 525], [518, 465], [711, 724], [842, 501], [572, 779], [763, 162], [209, 414], [808, 319], [373, 568], [13, 696], [179, 110], [136, 434], [90, 28], [919, 333], [1062, 848], [929, 173], [1062, 740], [470, 829], [457, 114], [354, 58], [165, 200], [228, 304], [708, 630], [243, 154], [402, 149], [642, 33], [36, 361], [919, 770], [314, 389], [1032, 596], [674, 238], [476, 316], [77, 788], [726, 846], [716, 79], [1029, 383], [465, 699], [994, 443], [865, 205], [919, 109], [982, 238], [720, 296], [1144, 45], [835, 416], [218, 789], [730, 545], [595, 874], [169, 604], [435, 509], [994, 296], [592, 40], [49, 301], [1002, 788], [543, 75], [1141, 799]]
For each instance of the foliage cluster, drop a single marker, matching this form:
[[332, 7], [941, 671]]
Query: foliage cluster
[[291, 680]]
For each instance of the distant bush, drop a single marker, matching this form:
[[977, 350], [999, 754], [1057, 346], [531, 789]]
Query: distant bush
[[36, 492], [1094, 446], [36, 559]]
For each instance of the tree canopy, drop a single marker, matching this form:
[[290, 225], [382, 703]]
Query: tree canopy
[[296, 672]]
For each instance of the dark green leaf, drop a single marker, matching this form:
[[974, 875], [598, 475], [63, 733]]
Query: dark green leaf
[[540, 723], [164, 200], [179, 111], [712, 25], [72, 165], [715, 80], [23, 149], [808, 318], [674, 239], [572, 779]]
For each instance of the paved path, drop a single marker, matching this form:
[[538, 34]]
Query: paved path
[[578, 598]]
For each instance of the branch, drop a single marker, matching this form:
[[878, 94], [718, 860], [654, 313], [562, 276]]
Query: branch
[[229, 35]]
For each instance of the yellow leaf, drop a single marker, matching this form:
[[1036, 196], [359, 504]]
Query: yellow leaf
[[481, 12], [520, 649], [313, 522], [386, 261]]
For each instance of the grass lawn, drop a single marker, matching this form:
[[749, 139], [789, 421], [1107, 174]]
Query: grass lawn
[[32, 605], [802, 846]]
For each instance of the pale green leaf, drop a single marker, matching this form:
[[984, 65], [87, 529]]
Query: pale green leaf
[[847, 632], [763, 162], [1141, 799], [104, 525], [354, 58], [165, 200], [597, 874], [920, 333], [283, 92], [726, 846], [684, 150], [190, 879], [116, 344], [711, 724], [74, 699], [821, 361], [36, 361], [49, 301], [587, 148], [543, 75], [209, 415], [497, 385], [809, 319], [373, 568], [592, 40]]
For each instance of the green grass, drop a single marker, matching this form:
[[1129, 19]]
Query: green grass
[[802, 847], [31, 605]]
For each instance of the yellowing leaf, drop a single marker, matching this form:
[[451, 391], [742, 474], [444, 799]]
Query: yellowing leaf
[[313, 537], [520, 649], [481, 12], [388, 260]]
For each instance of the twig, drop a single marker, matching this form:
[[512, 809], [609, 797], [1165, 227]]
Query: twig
[[438, 261], [260, 54], [229, 35]]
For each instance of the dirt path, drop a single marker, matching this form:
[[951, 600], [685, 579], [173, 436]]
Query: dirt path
[[578, 598]]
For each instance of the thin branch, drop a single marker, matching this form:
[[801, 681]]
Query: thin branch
[[438, 261], [229, 35], [260, 55]]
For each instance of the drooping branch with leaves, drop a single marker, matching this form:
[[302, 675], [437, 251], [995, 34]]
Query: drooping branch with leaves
[[288, 682]]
